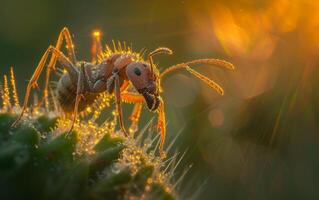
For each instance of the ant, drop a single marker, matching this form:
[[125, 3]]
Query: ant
[[113, 73]]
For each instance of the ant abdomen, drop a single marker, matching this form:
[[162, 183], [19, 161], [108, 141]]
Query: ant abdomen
[[66, 95]]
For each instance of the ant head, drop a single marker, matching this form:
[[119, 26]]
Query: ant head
[[144, 79]]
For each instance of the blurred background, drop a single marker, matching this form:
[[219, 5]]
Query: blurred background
[[258, 141]]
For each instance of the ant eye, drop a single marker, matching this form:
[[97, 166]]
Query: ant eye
[[137, 71]]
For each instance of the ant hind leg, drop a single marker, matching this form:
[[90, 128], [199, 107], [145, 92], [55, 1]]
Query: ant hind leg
[[64, 35], [34, 79], [79, 94]]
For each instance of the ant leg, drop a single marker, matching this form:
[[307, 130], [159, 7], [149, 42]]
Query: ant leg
[[79, 94], [125, 85], [135, 116], [64, 35], [33, 81], [161, 125], [130, 97], [136, 113], [117, 91], [96, 48]]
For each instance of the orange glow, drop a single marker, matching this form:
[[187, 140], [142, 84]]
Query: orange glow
[[284, 15], [96, 33], [250, 35], [243, 34], [233, 38]]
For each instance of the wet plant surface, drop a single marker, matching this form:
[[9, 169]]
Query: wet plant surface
[[38, 160]]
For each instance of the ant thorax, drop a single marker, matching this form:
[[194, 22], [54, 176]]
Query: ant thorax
[[106, 60], [120, 48]]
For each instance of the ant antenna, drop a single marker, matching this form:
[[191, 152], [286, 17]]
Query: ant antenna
[[205, 79], [158, 51]]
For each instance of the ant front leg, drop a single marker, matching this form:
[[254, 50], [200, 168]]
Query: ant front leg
[[136, 113], [115, 80], [135, 116], [161, 125], [138, 100], [34, 79]]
